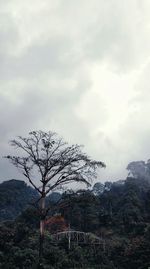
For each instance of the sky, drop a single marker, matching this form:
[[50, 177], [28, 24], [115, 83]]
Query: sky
[[79, 68]]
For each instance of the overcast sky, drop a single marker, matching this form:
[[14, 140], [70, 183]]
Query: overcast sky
[[80, 68]]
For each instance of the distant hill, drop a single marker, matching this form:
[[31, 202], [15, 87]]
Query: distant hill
[[16, 196]]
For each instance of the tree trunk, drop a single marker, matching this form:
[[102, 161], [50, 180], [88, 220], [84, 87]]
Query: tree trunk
[[42, 230]]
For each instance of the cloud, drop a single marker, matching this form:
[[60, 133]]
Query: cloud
[[79, 68], [137, 127]]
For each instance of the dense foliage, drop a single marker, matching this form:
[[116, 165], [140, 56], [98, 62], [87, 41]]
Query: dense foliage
[[15, 196], [119, 214]]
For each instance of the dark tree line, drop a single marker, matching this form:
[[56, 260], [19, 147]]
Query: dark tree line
[[121, 216]]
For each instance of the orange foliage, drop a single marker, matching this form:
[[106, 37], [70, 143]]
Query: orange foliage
[[56, 224]]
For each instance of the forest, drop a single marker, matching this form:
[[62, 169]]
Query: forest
[[117, 212], [43, 225]]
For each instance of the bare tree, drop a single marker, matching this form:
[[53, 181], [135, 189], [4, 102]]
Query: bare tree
[[48, 163]]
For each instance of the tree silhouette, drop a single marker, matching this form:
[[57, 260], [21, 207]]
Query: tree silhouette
[[48, 163]]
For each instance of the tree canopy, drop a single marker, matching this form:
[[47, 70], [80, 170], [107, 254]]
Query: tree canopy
[[48, 163], [52, 161]]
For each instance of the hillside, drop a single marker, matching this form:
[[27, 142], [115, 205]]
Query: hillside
[[120, 215], [16, 196]]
